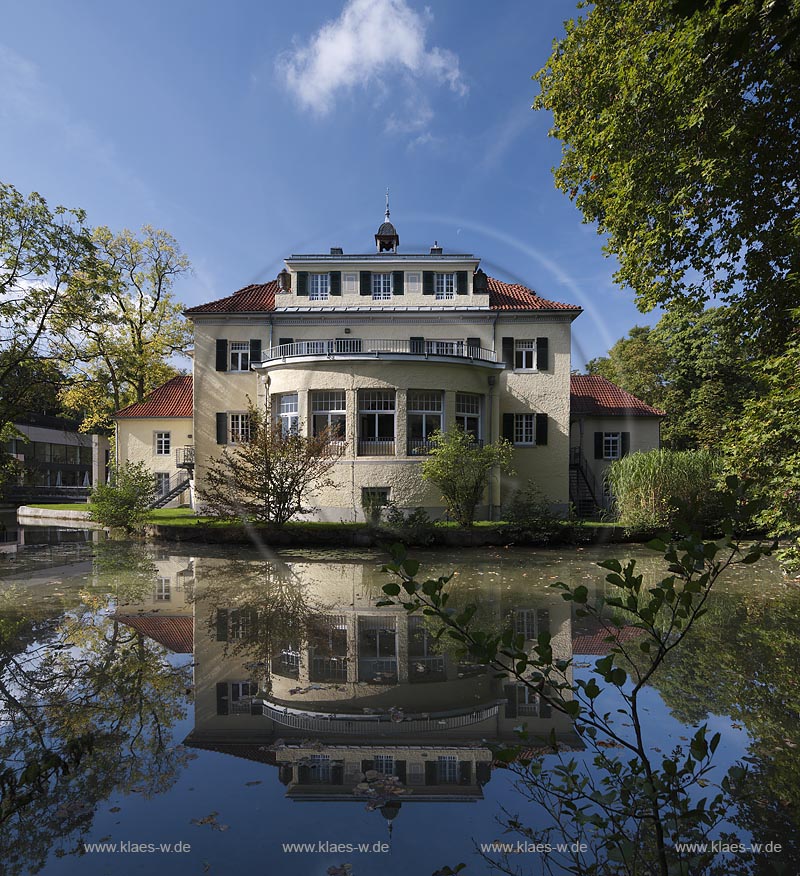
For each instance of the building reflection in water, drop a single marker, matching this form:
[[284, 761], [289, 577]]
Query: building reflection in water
[[296, 667]]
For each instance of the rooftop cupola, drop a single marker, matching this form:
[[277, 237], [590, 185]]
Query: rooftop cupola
[[387, 238]]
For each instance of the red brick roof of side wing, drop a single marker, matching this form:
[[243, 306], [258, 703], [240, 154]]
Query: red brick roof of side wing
[[173, 632], [260, 297], [594, 396], [514, 296], [171, 399], [251, 299]]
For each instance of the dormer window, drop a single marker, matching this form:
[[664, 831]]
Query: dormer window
[[319, 287], [444, 286], [381, 287]]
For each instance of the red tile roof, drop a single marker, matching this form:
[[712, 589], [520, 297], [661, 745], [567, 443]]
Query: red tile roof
[[594, 643], [260, 297], [594, 396], [172, 632], [252, 299], [513, 296], [171, 399]]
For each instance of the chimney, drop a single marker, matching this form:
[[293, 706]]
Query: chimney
[[337, 250], [436, 249]]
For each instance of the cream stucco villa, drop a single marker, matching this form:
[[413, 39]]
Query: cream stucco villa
[[386, 347]]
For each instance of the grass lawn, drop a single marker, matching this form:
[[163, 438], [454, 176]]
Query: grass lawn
[[66, 506]]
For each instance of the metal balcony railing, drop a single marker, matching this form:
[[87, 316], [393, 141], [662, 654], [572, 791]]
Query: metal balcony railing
[[333, 347], [376, 447], [184, 457]]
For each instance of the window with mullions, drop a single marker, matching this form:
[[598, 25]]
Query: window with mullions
[[162, 482], [383, 764], [240, 695], [424, 418], [468, 413], [381, 287], [444, 286], [319, 287], [525, 428], [288, 413], [447, 770], [240, 428], [162, 445], [162, 590], [240, 356], [328, 409], [376, 422], [612, 445], [525, 355]]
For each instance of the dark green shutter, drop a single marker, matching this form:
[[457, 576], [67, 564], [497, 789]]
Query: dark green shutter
[[398, 278], [461, 283], [542, 621], [418, 345], [541, 429], [598, 445], [285, 341], [365, 282], [473, 342], [541, 354], [222, 624], [222, 354], [626, 444], [400, 770], [465, 772], [222, 697], [302, 283], [367, 765], [427, 283], [545, 710], [303, 774], [222, 428], [508, 352], [510, 693], [256, 708], [337, 774], [483, 772], [285, 774], [336, 282], [508, 427], [430, 772], [255, 350]]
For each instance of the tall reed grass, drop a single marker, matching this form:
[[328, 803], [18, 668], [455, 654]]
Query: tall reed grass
[[648, 486]]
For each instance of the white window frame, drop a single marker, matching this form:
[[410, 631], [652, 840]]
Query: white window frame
[[382, 286], [240, 356], [331, 404], [319, 287], [288, 406], [350, 283], [463, 414], [239, 700], [413, 282], [384, 764], [444, 286], [162, 482], [163, 443], [163, 589], [238, 427], [610, 439], [525, 355], [525, 430], [373, 403], [447, 769], [420, 403], [445, 347]]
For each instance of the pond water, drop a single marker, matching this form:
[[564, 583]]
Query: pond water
[[231, 701]]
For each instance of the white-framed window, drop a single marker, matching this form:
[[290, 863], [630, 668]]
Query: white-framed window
[[239, 624], [239, 428], [162, 482], [381, 287], [288, 407], [612, 445], [525, 355], [163, 443], [329, 408], [350, 283], [320, 769], [240, 695], [240, 356], [468, 413], [162, 592], [531, 621], [319, 287], [444, 286], [376, 421], [384, 764], [445, 348], [447, 770], [414, 282], [525, 428], [424, 418]]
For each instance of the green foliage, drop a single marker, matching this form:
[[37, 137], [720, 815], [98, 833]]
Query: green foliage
[[636, 808], [460, 468], [414, 527], [679, 130], [650, 488], [528, 511], [269, 478], [125, 501]]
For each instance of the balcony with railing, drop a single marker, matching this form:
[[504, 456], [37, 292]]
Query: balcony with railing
[[184, 457], [376, 447], [377, 348]]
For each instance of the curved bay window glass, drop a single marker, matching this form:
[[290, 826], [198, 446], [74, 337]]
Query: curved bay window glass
[[424, 418], [288, 413], [376, 422], [468, 413], [328, 409]]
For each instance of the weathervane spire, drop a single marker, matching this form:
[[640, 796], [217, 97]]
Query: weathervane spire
[[387, 204]]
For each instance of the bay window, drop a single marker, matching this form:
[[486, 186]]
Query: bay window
[[376, 422], [424, 418], [329, 410]]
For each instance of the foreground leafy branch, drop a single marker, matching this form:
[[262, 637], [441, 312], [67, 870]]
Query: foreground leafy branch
[[632, 812]]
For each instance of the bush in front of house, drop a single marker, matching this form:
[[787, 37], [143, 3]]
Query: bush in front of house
[[649, 487], [124, 502]]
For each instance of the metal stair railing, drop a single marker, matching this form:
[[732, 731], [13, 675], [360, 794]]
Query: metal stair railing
[[177, 484]]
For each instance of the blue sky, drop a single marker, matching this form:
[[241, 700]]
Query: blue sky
[[253, 130]]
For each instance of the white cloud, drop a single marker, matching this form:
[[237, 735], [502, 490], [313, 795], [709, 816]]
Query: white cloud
[[371, 41]]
